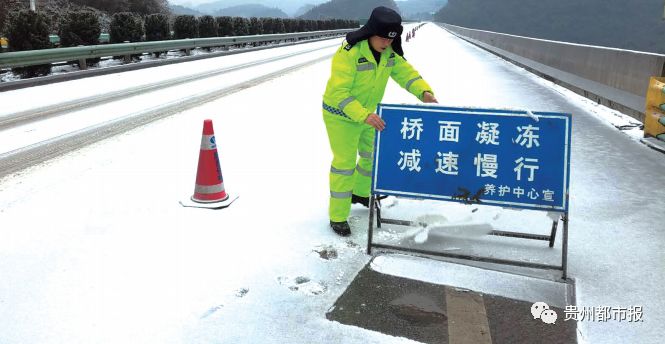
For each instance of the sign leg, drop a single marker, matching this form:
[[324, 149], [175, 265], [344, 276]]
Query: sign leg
[[553, 234], [371, 224], [564, 251], [377, 204]]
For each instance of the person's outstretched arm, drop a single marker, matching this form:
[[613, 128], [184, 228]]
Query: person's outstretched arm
[[409, 79]]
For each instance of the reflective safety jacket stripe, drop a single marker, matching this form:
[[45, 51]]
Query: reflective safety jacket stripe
[[357, 84]]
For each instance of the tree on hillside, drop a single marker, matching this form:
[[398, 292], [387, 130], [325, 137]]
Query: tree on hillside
[[110, 6], [143, 7], [56, 11], [7, 6]]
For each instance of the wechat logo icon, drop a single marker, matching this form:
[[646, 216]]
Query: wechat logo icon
[[540, 310]]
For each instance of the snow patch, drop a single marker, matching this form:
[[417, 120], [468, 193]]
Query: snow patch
[[303, 284]]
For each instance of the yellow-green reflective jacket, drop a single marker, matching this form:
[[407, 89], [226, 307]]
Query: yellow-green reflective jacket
[[356, 84]]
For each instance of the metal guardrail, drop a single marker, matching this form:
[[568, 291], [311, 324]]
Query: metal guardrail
[[44, 56]]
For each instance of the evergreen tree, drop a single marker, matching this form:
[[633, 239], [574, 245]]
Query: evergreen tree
[[157, 27], [207, 27], [79, 28], [267, 25], [225, 26], [27, 30], [302, 25], [185, 26], [288, 25], [255, 26], [240, 26], [278, 25], [126, 26]]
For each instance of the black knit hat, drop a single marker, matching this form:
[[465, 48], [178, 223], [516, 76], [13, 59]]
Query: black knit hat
[[383, 22]]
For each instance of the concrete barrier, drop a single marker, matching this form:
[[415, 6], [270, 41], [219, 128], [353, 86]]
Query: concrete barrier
[[613, 77]]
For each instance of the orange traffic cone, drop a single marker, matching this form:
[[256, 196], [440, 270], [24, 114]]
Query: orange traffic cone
[[209, 191]]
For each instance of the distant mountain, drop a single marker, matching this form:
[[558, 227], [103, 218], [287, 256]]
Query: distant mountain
[[420, 9], [252, 10], [179, 10], [288, 6], [347, 9], [634, 24], [302, 10], [212, 7]]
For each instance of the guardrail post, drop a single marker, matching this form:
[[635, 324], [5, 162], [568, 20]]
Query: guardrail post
[[82, 64], [187, 51], [128, 57]]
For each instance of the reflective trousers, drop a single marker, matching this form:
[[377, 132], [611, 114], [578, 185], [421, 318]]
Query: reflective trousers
[[352, 145]]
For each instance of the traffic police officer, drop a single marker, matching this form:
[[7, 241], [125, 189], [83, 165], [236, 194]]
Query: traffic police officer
[[360, 71]]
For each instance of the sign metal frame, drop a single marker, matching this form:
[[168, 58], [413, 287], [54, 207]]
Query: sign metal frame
[[563, 211]]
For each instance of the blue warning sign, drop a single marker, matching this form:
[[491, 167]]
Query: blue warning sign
[[506, 158]]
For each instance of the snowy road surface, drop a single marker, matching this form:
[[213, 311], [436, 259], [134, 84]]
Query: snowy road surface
[[51, 96], [94, 247]]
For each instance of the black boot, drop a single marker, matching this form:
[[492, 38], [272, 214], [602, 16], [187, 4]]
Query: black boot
[[365, 200], [359, 199], [341, 228]]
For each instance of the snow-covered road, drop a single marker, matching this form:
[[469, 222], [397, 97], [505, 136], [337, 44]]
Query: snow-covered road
[[94, 246], [204, 76]]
